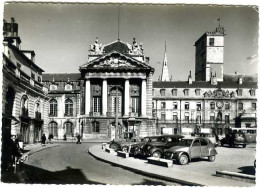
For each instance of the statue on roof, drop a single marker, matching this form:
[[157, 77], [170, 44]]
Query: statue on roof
[[137, 49], [96, 48]]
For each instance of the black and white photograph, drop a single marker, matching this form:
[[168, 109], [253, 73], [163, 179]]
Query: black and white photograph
[[114, 93]]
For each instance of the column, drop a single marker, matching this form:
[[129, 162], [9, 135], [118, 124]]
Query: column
[[104, 98], [127, 97], [31, 131], [87, 97], [143, 98]]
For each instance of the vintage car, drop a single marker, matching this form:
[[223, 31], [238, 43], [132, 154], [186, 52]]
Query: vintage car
[[190, 148], [210, 136], [155, 149], [137, 148], [123, 144], [234, 139]]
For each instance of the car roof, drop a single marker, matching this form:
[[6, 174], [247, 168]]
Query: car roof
[[192, 138]]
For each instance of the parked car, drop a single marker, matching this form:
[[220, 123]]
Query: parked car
[[155, 149], [210, 136], [190, 148], [137, 148], [122, 144], [234, 139]]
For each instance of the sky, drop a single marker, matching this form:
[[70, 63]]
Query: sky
[[61, 34]]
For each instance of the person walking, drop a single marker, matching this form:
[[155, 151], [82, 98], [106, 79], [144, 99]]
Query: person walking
[[78, 139], [43, 140]]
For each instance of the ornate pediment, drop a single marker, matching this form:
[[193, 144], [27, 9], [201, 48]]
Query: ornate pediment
[[219, 94], [115, 60]]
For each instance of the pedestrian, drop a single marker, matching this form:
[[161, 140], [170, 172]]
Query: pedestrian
[[43, 139], [50, 137], [15, 152], [78, 139]]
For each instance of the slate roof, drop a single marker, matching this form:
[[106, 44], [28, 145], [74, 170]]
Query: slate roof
[[116, 46], [61, 76], [201, 84]]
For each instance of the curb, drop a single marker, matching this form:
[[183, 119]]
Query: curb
[[236, 176], [174, 180]]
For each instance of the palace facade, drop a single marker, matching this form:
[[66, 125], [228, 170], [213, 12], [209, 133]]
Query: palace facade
[[114, 96]]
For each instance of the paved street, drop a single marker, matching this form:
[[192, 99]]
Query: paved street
[[71, 163]]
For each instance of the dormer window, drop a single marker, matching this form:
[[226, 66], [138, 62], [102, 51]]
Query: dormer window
[[174, 92], [252, 92], [239, 92], [68, 87], [162, 92], [186, 92], [53, 87], [198, 106], [33, 76], [197, 92]]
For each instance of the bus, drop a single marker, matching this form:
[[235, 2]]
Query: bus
[[250, 133]]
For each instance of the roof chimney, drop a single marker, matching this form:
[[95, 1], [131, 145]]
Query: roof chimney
[[190, 78]]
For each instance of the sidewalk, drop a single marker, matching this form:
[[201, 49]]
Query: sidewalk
[[180, 174]]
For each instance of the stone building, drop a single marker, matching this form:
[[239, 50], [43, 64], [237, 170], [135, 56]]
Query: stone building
[[24, 98], [213, 102], [110, 98], [117, 79]]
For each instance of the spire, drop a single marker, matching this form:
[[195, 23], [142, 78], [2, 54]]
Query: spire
[[165, 72]]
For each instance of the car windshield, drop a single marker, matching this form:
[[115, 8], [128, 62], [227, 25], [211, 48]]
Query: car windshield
[[185, 142], [146, 139], [160, 139]]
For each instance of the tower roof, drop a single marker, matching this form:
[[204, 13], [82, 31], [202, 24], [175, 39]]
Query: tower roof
[[165, 72]]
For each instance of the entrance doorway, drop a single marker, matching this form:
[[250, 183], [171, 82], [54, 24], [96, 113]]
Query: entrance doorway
[[119, 133]]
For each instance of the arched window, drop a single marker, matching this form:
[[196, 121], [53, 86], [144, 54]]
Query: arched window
[[37, 110], [68, 107], [53, 107], [53, 128], [24, 106], [95, 126], [69, 129]]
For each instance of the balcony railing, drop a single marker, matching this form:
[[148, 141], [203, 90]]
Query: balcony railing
[[133, 114], [24, 112], [113, 114], [68, 114], [94, 113], [38, 115]]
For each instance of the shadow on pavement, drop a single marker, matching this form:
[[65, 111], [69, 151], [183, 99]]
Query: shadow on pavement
[[67, 176], [250, 170], [150, 182]]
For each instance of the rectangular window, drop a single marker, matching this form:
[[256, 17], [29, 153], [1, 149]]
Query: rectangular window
[[211, 41], [174, 92], [163, 105], [175, 105], [175, 119], [253, 106], [96, 104], [227, 106], [212, 118], [240, 106], [197, 92], [33, 76], [227, 120], [135, 104], [187, 119], [187, 106], [198, 106], [239, 92], [252, 92], [198, 119], [163, 116], [212, 106], [162, 91], [186, 92]]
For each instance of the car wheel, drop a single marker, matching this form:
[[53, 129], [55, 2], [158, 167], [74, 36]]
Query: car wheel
[[114, 146], [183, 160], [157, 154], [244, 145], [125, 149], [212, 158]]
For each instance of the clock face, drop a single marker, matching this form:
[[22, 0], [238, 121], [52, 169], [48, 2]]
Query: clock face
[[220, 104]]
